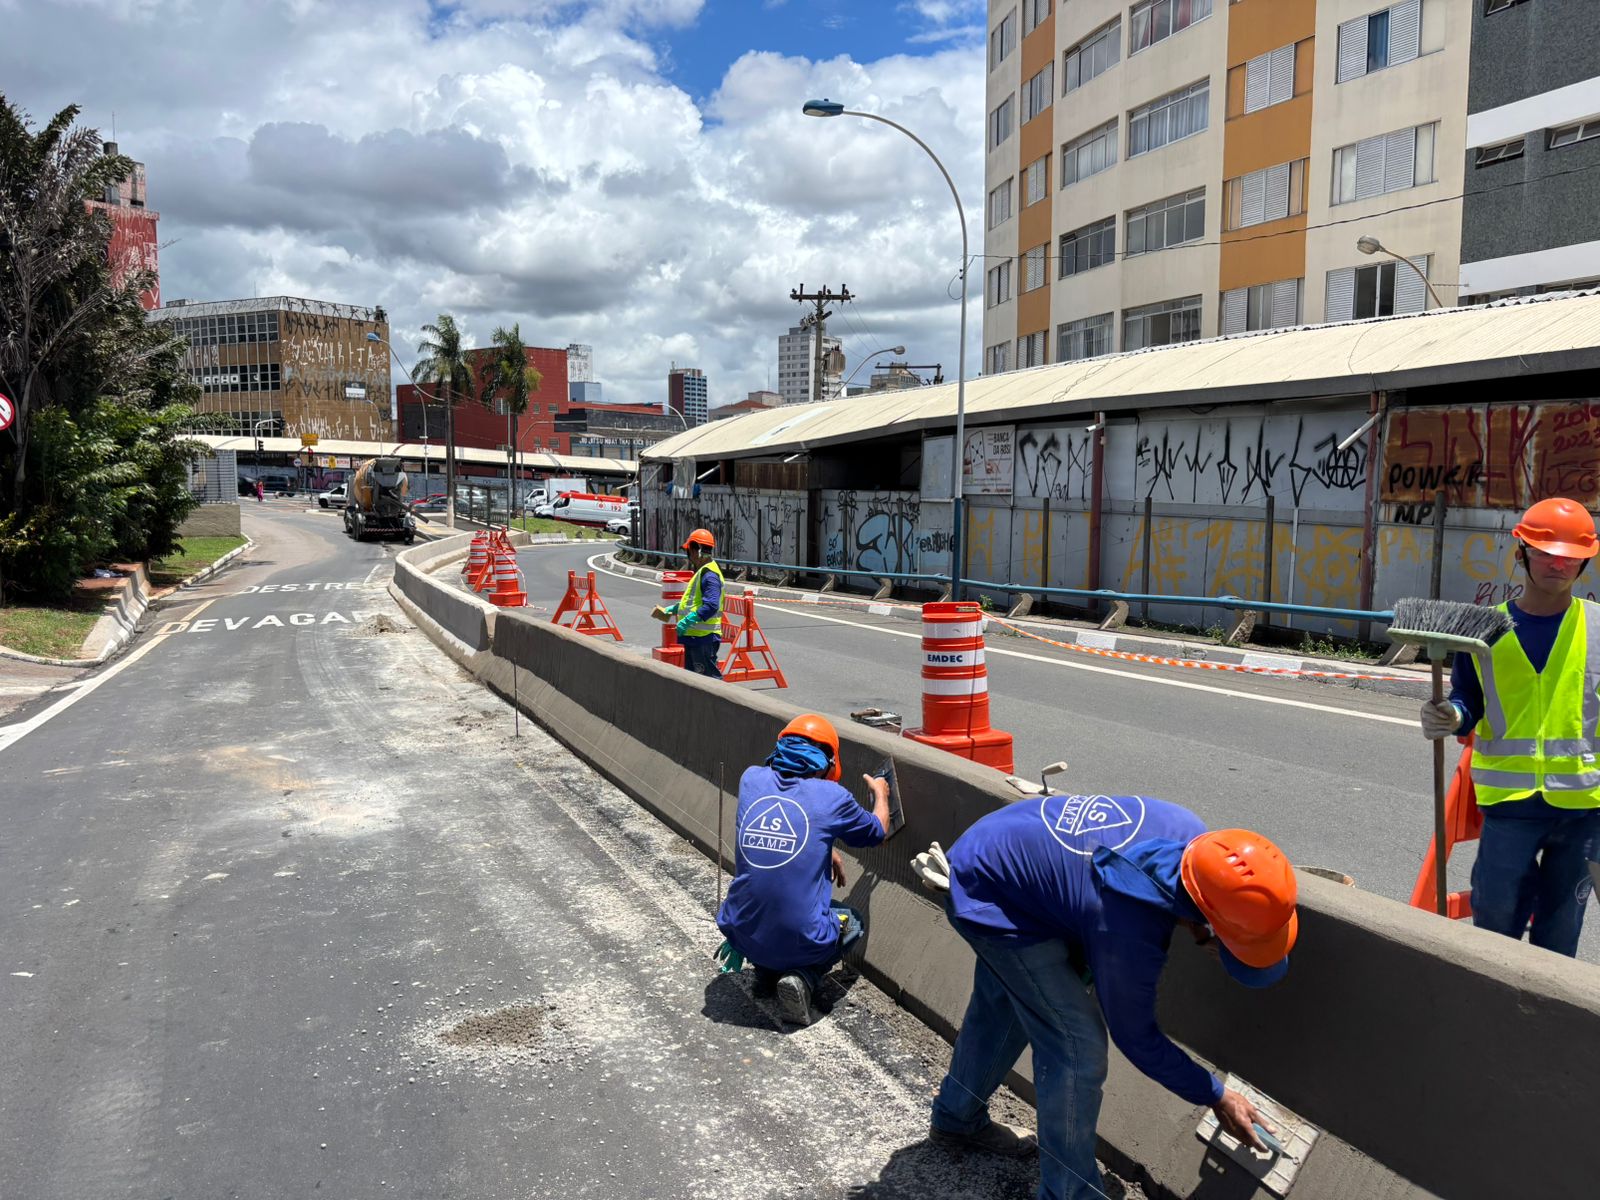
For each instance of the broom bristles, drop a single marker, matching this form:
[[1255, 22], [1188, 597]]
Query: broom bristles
[[1448, 618]]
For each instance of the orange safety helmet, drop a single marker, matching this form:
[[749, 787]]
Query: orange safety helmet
[[1558, 526], [700, 537], [1245, 888], [821, 731]]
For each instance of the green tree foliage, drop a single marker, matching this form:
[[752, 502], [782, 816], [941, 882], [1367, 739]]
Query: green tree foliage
[[93, 468], [444, 363]]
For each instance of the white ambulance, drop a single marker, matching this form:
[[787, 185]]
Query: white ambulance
[[584, 508]]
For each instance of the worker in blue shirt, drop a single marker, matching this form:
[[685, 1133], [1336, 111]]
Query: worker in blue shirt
[[1537, 738], [1070, 903], [698, 614], [779, 912]]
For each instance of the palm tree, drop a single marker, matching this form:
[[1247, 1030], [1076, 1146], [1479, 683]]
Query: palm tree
[[443, 362], [510, 377]]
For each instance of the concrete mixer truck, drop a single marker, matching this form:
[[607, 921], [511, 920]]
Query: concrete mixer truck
[[377, 502]]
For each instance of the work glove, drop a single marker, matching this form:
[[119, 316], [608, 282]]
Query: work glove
[[732, 961], [933, 868], [683, 625], [1440, 719]]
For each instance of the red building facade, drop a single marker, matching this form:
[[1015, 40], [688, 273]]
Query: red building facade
[[487, 428]]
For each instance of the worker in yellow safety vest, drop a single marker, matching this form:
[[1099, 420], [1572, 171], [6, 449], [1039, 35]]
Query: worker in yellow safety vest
[[1535, 718], [699, 613]]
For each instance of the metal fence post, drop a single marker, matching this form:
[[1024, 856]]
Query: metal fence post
[[1438, 544], [1266, 563], [1144, 571]]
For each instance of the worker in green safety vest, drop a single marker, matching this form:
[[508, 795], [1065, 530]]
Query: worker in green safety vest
[[1533, 707], [699, 613]]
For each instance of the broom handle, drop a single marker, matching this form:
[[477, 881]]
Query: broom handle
[[1441, 890]]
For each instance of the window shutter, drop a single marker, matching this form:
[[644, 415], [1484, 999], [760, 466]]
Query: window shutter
[[1369, 168], [1399, 160], [1410, 294], [1405, 31], [1252, 202], [1285, 303], [1234, 307], [1257, 83], [1277, 192], [1281, 86], [1341, 301], [1352, 50]]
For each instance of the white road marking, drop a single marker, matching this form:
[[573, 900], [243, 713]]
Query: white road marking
[[1097, 670]]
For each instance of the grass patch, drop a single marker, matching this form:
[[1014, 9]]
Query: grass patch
[[562, 528], [192, 555], [46, 632]]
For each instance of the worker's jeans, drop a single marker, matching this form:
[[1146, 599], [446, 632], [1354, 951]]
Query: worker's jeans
[[1535, 868], [851, 927], [700, 654], [1031, 995]]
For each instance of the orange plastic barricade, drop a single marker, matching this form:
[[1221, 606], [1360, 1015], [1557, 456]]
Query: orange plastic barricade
[[482, 576], [673, 584], [591, 615], [955, 687], [475, 555], [1463, 821], [745, 642], [508, 584]]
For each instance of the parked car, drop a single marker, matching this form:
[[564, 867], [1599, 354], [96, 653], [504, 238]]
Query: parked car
[[334, 497], [429, 504], [622, 525]]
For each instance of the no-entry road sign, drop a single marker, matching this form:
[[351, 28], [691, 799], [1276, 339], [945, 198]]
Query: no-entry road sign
[[7, 411]]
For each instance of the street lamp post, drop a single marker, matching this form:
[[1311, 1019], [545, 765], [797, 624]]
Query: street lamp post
[[1371, 245], [864, 362], [373, 337], [958, 539]]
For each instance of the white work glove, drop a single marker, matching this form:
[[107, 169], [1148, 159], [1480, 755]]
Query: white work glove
[[933, 868], [1440, 719]]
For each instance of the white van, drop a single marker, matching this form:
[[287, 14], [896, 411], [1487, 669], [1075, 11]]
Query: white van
[[584, 508]]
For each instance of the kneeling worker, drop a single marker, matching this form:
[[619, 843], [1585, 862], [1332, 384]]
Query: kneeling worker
[[779, 912], [1071, 893], [699, 613]]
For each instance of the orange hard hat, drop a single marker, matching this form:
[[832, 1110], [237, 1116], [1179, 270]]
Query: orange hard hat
[[1245, 888], [1558, 526], [821, 731], [700, 537]]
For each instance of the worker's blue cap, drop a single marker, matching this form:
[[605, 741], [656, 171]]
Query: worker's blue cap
[[1252, 977]]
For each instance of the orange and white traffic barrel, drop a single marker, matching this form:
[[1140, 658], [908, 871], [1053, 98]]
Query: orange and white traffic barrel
[[955, 687], [673, 585]]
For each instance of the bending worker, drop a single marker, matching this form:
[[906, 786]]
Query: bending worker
[[1070, 903], [699, 612], [779, 912], [1535, 717]]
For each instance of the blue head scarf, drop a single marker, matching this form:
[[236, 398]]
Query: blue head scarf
[[796, 755]]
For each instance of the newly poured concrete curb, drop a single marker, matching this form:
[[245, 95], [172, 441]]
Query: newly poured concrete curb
[[1393, 1033]]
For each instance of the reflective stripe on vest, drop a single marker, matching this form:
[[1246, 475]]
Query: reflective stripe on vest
[[691, 603], [1540, 731]]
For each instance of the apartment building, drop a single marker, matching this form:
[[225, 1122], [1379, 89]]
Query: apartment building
[[687, 395], [797, 361], [1158, 171]]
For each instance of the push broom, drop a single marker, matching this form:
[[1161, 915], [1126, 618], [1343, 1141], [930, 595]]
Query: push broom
[[1444, 627]]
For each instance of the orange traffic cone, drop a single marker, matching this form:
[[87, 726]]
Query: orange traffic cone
[[745, 642], [1463, 821], [508, 591], [672, 585], [955, 687], [583, 601], [475, 556]]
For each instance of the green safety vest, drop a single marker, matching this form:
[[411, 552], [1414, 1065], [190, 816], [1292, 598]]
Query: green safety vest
[[1540, 730], [691, 603]]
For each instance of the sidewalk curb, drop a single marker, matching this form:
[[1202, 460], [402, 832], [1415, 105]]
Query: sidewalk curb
[[1397, 683]]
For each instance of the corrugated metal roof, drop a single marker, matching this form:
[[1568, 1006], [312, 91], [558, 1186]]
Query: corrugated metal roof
[[1543, 334], [538, 460]]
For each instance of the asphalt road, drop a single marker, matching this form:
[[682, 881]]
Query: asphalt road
[[1339, 777], [290, 909]]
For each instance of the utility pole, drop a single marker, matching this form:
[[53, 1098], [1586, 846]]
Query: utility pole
[[821, 300]]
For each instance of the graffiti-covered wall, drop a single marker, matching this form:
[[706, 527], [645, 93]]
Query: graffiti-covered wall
[[749, 524]]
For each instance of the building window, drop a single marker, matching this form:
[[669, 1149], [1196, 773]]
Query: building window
[[1386, 38], [1267, 195], [1090, 247], [1000, 204], [1031, 350], [1090, 154], [1389, 162], [1168, 118], [997, 359], [1265, 306], [999, 285], [1088, 337], [1033, 272], [1269, 79], [1486, 156], [1093, 56], [1038, 92], [1036, 181], [1033, 11], [1162, 324], [1003, 39], [1156, 20], [1491, 7], [1169, 222], [1379, 290], [1566, 135], [1000, 121]]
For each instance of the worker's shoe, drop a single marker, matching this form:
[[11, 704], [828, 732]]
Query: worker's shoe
[[996, 1137], [794, 1000]]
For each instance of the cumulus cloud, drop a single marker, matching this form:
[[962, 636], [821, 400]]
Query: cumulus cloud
[[536, 163]]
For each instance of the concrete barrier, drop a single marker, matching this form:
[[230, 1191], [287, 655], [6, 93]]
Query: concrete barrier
[[1438, 1060]]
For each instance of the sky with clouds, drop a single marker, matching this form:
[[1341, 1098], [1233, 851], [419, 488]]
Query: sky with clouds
[[633, 174]]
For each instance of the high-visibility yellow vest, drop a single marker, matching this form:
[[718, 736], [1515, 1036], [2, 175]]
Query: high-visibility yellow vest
[[691, 603], [1540, 731]]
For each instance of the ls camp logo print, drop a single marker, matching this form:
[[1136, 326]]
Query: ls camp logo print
[[1082, 824], [774, 829]]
